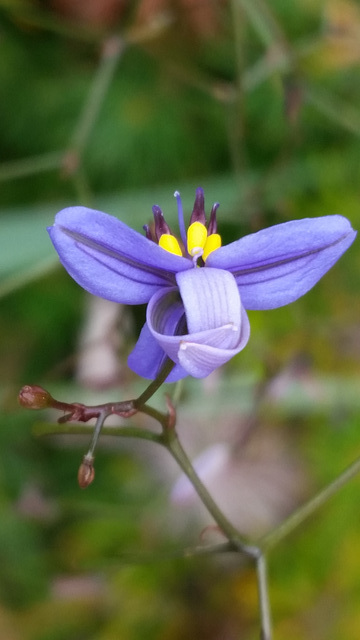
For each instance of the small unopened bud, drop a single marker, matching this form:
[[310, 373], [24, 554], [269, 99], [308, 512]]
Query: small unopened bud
[[35, 397], [86, 473]]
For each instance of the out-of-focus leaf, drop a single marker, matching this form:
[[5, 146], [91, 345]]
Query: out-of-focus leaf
[[24, 250]]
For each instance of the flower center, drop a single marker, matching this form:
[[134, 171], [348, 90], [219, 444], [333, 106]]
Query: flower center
[[199, 243], [200, 240], [170, 243]]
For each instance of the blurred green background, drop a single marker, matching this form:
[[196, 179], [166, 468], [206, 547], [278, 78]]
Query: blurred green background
[[115, 105]]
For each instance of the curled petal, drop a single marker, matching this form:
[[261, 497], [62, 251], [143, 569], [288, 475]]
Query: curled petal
[[217, 327], [199, 360], [111, 260], [278, 265], [147, 358]]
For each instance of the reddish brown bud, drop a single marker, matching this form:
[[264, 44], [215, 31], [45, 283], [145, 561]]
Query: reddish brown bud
[[35, 397], [86, 473]]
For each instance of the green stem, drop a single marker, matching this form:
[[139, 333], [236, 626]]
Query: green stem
[[31, 166], [154, 385], [96, 433], [264, 604], [113, 49], [46, 429], [31, 16], [153, 557], [334, 109], [304, 512], [237, 112], [82, 187], [28, 274], [154, 413], [172, 443], [263, 22]]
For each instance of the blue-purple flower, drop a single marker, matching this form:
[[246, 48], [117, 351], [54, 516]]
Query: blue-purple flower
[[197, 291]]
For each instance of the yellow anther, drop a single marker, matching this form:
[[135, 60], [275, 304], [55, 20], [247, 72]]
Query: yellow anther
[[170, 243], [196, 238], [212, 242]]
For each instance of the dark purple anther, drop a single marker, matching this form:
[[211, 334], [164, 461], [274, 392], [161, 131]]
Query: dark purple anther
[[198, 214], [212, 226], [148, 232], [161, 226]]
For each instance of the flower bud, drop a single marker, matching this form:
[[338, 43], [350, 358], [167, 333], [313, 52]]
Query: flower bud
[[86, 473], [35, 397]]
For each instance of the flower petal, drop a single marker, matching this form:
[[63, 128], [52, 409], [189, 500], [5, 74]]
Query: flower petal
[[147, 358], [199, 360], [278, 265], [217, 324], [111, 260]]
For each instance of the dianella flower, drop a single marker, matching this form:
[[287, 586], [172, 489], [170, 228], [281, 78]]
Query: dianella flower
[[196, 290]]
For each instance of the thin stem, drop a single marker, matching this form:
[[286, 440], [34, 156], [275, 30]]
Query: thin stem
[[20, 278], [91, 35], [31, 16], [264, 604], [46, 429], [176, 394], [154, 413], [154, 385], [76, 411], [82, 187], [280, 62], [237, 112], [334, 109], [112, 51], [172, 443], [263, 21], [152, 557], [304, 512], [98, 426], [30, 166]]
